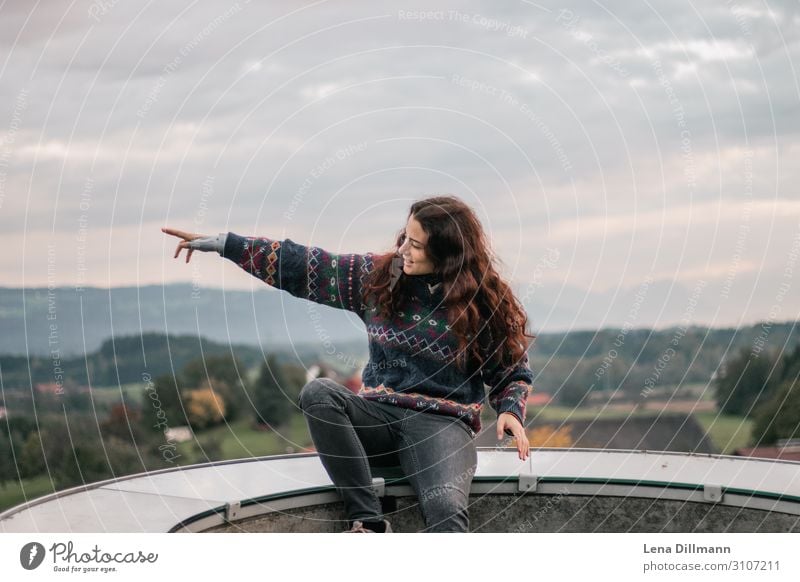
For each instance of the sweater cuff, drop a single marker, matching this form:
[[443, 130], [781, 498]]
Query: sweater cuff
[[516, 406], [209, 243]]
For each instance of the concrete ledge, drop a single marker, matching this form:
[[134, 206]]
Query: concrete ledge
[[540, 514]]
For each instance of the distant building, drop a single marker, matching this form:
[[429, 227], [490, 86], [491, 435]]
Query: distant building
[[312, 373], [784, 449], [539, 398], [179, 434], [322, 370], [55, 388], [49, 388], [353, 383]]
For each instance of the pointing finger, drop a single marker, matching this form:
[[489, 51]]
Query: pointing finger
[[178, 233]]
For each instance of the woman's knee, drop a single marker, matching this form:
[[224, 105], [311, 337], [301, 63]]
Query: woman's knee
[[318, 391]]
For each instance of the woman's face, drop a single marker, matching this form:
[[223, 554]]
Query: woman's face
[[415, 258]]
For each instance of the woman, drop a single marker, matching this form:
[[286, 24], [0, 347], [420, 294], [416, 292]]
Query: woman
[[441, 324]]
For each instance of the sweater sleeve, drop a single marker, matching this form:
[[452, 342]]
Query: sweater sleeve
[[303, 271], [509, 386]]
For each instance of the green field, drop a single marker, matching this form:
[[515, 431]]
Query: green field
[[107, 396], [241, 440], [728, 433]]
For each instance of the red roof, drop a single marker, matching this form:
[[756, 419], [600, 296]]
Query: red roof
[[786, 454], [353, 383]]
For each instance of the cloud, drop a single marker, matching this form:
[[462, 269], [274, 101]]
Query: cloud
[[614, 126]]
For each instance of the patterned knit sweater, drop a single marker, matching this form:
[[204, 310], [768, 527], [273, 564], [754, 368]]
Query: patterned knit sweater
[[411, 355]]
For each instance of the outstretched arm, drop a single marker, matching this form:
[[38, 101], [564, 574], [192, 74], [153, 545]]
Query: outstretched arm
[[306, 272]]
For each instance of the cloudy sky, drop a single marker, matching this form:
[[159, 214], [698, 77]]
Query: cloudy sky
[[634, 163]]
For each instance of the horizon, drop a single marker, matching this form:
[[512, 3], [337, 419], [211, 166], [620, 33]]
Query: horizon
[[266, 289]]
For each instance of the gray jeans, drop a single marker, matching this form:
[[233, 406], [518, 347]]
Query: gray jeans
[[435, 452]]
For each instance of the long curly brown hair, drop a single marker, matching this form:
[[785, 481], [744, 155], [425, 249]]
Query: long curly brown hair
[[482, 311]]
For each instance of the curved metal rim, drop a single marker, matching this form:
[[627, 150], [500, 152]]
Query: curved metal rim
[[91, 486], [661, 485]]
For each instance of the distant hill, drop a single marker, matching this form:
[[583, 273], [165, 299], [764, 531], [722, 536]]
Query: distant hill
[[273, 320], [127, 359], [35, 321]]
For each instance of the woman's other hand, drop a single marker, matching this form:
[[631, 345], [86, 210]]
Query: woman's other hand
[[184, 244], [508, 421]]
